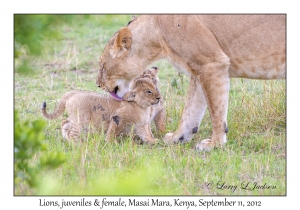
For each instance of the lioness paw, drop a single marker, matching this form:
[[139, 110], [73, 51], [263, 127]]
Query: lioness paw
[[177, 137]]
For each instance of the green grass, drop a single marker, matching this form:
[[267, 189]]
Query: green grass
[[255, 151]]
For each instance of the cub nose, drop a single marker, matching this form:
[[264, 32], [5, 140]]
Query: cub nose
[[154, 67]]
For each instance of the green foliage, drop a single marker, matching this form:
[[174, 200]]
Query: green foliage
[[174, 83], [30, 31], [28, 142], [142, 179]]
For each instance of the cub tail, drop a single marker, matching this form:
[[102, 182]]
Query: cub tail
[[58, 111], [61, 106]]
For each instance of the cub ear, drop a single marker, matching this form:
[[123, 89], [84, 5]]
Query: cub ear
[[154, 70], [130, 96], [122, 42]]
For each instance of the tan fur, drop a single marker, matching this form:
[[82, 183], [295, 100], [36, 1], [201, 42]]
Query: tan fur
[[92, 111], [210, 49], [158, 113]]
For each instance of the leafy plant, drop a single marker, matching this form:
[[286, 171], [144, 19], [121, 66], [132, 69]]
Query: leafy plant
[[30, 31], [28, 143]]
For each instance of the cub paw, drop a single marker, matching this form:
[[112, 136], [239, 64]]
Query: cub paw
[[205, 145], [152, 141], [168, 139]]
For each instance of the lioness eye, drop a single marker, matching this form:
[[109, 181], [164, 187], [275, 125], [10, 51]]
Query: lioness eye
[[148, 91]]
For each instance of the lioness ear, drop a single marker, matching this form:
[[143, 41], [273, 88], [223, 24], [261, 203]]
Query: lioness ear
[[122, 42], [130, 96], [123, 39]]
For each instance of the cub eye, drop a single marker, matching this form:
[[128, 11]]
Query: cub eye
[[148, 91]]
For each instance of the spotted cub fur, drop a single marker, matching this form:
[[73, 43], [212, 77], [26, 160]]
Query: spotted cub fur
[[93, 111]]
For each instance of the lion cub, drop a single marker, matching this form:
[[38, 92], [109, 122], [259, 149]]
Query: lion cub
[[87, 108], [158, 113]]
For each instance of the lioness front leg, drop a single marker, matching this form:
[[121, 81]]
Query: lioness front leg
[[191, 116]]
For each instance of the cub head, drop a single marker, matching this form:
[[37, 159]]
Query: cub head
[[118, 66], [150, 74], [144, 93]]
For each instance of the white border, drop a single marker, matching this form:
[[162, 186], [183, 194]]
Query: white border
[[8, 201]]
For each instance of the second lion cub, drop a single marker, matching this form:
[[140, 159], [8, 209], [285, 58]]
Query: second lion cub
[[87, 108], [158, 112]]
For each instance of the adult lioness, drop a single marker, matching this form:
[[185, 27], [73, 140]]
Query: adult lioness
[[87, 108], [208, 48]]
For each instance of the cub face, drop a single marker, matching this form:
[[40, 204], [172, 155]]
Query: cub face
[[144, 93]]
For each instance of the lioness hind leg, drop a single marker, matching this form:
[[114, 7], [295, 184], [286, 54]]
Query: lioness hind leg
[[191, 116], [215, 83]]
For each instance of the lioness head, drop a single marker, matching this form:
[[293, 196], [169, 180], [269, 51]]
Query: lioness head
[[144, 93], [115, 73], [123, 59]]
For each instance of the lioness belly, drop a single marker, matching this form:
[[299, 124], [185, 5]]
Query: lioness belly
[[255, 44], [272, 67]]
